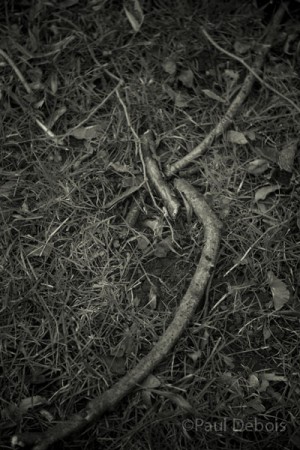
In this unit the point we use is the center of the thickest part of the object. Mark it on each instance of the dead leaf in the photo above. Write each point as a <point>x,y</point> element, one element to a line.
<point>262,193</point>
<point>182,100</point>
<point>195,355</point>
<point>279,291</point>
<point>228,360</point>
<point>31,402</point>
<point>253,381</point>
<point>257,166</point>
<point>156,225</point>
<point>134,14</point>
<point>266,332</point>
<point>187,78</point>
<point>256,404</point>
<point>169,66</point>
<point>7,189</point>
<point>163,247</point>
<point>87,133</point>
<point>53,82</point>
<point>151,382</point>
<point>241,47</point>
<point>114,364</point>
<point>152,303</point>
<point>250,135</point>
<point>271,376</point>
<point>236,137</point>
<point>120,168</point>
<point>142,242</point>
<point>213,96</point>
<point>287,156</point>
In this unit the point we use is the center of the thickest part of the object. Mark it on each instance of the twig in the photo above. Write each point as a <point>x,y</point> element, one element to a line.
<point>161,186</point>
<point>251,70</point>
<point>237,102</point>
<point>191,300</point>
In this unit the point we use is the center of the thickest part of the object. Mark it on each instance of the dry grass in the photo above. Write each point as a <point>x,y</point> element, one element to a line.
<point>75,281</point>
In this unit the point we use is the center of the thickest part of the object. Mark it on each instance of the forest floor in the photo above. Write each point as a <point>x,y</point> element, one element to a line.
<point>85,295</point>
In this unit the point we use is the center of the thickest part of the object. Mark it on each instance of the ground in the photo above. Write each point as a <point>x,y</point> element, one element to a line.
<point>85,294</point>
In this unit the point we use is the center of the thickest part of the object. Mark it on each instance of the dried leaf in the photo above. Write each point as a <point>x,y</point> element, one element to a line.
<point>253,381</point>
<point>228,360</point>
<point>287,156</point>
<point>181,402</point>
<point>187,78</point>
<point>169,66</point>
<point>241,47</point>
<point>257,166</point>
<point>256,404</point>
<point>250,135</point>
<point>134,14</point>
<point>236,137</point>
<point>53,82</point>
<point>152,303</point>
<point>262,193</point>
<point>88,133</point>
<point>142,242</point>
<point>114,364</point>
<point>182,100</point>
<point>120,168</point>
<point>266,333</point>
<point>279,291</point>
<point>31,402</point>
<point>156,225</point>
<point>213,96</point>
<point>195,355</point>
<point>271,376</point>
<point>151,382</point>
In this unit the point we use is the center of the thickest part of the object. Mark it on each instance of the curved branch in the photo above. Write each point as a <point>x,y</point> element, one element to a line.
<point>109,399</point>
<point>237,102</point>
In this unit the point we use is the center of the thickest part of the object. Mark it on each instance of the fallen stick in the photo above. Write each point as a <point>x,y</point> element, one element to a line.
<point>161,186</point>
<point>237,102</point>
<point>191,300</point>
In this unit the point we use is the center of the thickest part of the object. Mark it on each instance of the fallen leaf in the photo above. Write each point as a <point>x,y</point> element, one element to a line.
<point>114,364</point>
<point>142,242</point>
<point>120,168</point>
<point>31,402</point>
<point>279,291</point>
<point>187,78</point>
<point>271,376</point>
<point>182,100</point>
<point>256,404</point>
<point>195,355</point>
<point>134,14</point>
<point>257,166</point>
<point>88,133</point>
<point>253,381</point>
<point>262,193</point>
<point>152,303</point>
<point>287,156</point>
<point>241,47</point>
<point>236,137</point>
<point>169,66</point>
<point>151,382</point>
<point>156,225</point>
<point>213,96</point>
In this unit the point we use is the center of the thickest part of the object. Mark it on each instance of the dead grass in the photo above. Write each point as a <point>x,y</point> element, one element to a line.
<point>75,279</point>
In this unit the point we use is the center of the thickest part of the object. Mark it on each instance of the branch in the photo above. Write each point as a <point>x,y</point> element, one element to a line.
<point>191,300</point>
<point>239,99</point>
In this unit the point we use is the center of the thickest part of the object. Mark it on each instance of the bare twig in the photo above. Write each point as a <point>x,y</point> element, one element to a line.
<point>161,186</point>
<point>237,102</point>
<point>184,314</point>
